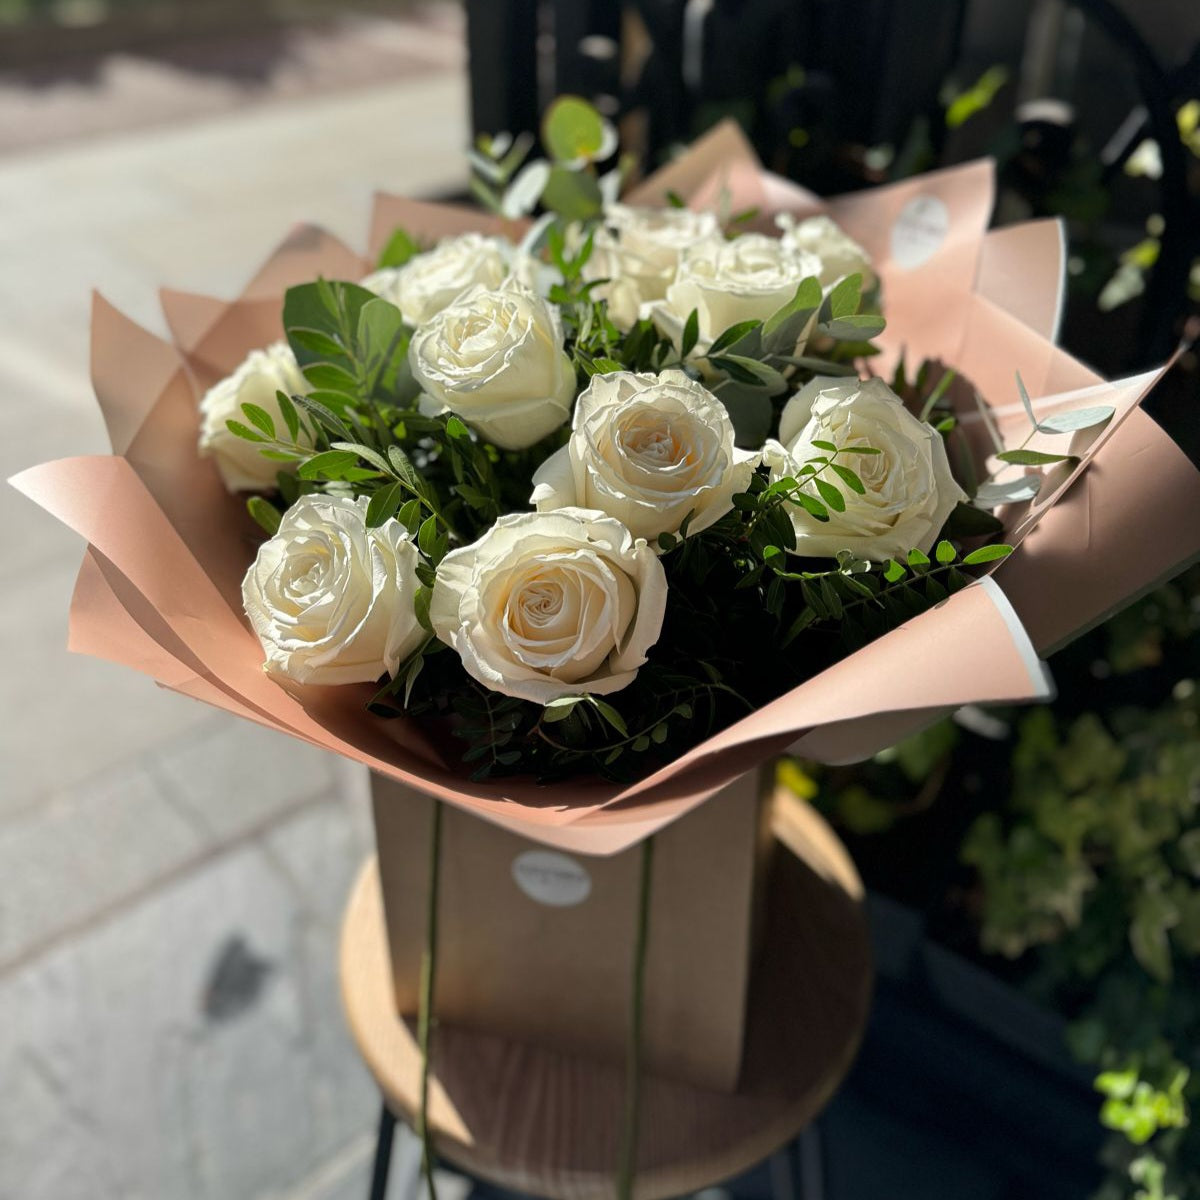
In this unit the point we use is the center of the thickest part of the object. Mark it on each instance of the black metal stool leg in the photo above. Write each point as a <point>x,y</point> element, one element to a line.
<point>383,1153</point>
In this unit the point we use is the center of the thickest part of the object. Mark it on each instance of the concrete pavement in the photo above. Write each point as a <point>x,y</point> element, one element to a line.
<point>171,879</point>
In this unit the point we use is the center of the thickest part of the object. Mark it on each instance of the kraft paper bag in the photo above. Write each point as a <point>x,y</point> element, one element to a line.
<point>536,946</point>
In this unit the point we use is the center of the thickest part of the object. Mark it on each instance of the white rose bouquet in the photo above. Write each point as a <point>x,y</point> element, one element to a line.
<point>619,490</point>
<point>585,499</point>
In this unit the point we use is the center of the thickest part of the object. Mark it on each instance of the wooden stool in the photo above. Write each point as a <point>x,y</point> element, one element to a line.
<point>548,1124</point>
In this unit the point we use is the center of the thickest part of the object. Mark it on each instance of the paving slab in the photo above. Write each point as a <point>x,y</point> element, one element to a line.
<point>172,879</point>
<point>191,1045</point>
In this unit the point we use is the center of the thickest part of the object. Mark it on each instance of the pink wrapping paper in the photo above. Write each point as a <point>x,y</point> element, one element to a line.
<point>159,589</point>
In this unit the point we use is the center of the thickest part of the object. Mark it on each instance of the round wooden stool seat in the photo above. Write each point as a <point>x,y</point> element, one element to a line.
<point>548,1124</point>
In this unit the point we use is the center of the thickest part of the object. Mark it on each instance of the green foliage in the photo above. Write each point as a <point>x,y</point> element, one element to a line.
<point>747,619</point>
<point>1095,868</point>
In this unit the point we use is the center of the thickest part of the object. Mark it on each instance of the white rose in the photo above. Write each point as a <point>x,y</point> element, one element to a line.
<point>240,464</point>
<point>637,250</point>
<point>330,599</point>
<point>495,357</point>
<point>749,278</point>
<point>430,281</point>
<point>551,604</point>
<point>839,253</point>
<point>647,449</point>
<point>910,490</point>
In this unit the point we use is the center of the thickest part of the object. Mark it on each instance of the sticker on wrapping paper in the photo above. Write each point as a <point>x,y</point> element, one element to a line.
<point>551,878</point>
<point>919,231</point>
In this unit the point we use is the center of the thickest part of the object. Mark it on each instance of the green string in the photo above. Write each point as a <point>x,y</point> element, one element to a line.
<point>425,1003</point>
<point>627,1167</point>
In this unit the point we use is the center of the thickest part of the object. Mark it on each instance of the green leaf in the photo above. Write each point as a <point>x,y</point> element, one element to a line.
<point>1081,418</point>
<point>798,626</point>
<point>310,343</point>
<point>427,536</point>
<point>321,317</point>
<point>324,416</point>
<point>573,195</point>
<point>609,713</point>
<point>457,430</point>
<point>832,497</point>
<point>1025,401</point>
<point>987,554</point>
<point>749,370</point>
<point>401,246</point>
<point>574,132</point>
<point>244,431</point>
<point>331,377</point>
<point>1009,491</point>
<point>381,345</point>
<point>1032,458</point>
<point>895,571</point>
<point>331,464</point>
<point>265,513</point>
<point>843,299</point>
<point>560,709</point>
<point>782,329</point>
<point>409,515</point>
<point>852,329</point>
<point>691,334</point>
<point>291,418</point>
<point>733,335</point>
<point>383,504</point>
<point>832,601</point>
<point>813,506</point>
<point>849,478</point>
<point>917,558</point>
<point>259,418</point>
<point>945,552</point>
<point>410,676</point>
<point>366,454</point>
<point>421,598</point>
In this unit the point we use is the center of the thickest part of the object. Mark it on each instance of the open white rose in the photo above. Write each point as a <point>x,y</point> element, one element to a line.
<point>747,279</point>
<point>555,604</point>
<point>637,250</point>
<point>839,253</point>
<point>647,449</point>
<point>239,462</point>
<point>330,599</point>
<point>495,357</point>
<point>910,490</point>
<point>430,281</point>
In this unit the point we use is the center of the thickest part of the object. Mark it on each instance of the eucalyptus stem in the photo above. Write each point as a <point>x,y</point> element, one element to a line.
<point>425,1002</point>
<point>627,1166</point>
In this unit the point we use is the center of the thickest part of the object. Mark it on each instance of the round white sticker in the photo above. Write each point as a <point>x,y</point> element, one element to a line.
<point>919,231</point>
<point>551,878</point>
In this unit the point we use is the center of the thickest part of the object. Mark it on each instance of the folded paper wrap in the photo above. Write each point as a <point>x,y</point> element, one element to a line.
<point>160,585</point>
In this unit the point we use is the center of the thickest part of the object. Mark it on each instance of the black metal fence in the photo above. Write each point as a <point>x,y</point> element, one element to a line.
<point>842,93</point>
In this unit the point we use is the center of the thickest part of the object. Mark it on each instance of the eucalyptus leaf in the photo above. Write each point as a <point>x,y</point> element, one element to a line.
<point>573,132</point>
<point>574,195</point>
<point>1031,458</point>
<point>1011,491</point>
<point>1080,418</point>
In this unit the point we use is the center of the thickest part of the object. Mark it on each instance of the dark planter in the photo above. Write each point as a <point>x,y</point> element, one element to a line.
<point>963,1087</point>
